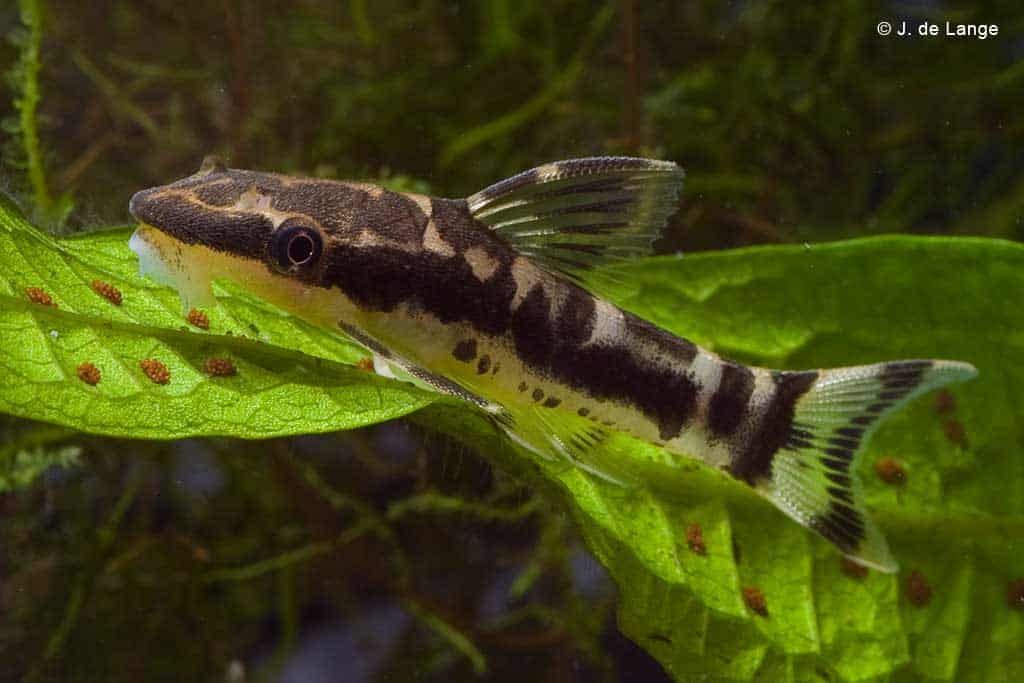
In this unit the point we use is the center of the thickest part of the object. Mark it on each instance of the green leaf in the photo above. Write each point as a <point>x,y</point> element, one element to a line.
<point>958,521</point>
<point>290,377</point>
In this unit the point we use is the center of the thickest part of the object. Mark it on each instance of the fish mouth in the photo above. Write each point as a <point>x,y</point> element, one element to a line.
<point>167,261</point>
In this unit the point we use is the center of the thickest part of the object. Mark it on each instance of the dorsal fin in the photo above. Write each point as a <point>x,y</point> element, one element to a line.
<point>571,216</point>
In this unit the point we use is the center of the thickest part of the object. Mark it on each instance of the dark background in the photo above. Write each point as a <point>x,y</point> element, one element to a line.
<point>795,122</point>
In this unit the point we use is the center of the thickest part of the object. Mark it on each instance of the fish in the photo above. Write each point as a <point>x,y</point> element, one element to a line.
<point>497,299</point>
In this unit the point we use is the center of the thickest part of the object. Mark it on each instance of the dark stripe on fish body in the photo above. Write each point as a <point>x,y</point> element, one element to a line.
<point>396,217</point>
<point>623,370</point>
<point>613,371</point>
<point>531,328</point>
<point>729,403</point>
<point>578,317</point>
<point>465,350</point>
<point>754,462</point>
<point>241,233</point>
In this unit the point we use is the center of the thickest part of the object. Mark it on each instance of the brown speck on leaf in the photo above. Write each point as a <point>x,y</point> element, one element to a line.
<point>155,370</point>
<point>754,598</point>
<point>1015,594</point>
<point>39,296</point>
<point>891,471</point>
<point>365,364</point>
<point>955,432</point>
<point>919,591</point>
<point>695,539</point>
<point>107,291</point>
<point>88,373</point>
<point>198,319</point>
<point>219,367</point>
<point>852,569</point>
<point>944,402</point>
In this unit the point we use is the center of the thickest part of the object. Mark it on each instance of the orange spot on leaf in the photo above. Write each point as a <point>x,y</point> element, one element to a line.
<point>107,291</point>
<point>919,591</point>
<point>944,402</point>
<point>955,432</point>
<point>891,471</point>
<point>88,373</point>
<point>155,370</point>
<point>219,367</point>
<point>197,318</point>
<point>754,598</point>
<point>695,539</point>
<point>39,296</point>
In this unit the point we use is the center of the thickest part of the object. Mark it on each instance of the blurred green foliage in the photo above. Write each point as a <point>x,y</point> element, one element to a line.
<point>794,122</point>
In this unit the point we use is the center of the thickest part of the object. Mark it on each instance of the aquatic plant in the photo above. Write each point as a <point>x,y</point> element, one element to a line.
<point>132,557</point>
<point>754,595</point>
<point>24,128</point>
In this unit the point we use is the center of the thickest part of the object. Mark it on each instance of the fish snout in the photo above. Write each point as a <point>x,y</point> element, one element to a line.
<point>138,203</point>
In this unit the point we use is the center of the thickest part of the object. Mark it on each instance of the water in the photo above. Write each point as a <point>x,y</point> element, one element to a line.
<point>796,125</point>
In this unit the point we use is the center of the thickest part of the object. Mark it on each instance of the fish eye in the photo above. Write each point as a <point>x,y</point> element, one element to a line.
<point>295,246</point>
<point>300,248</point>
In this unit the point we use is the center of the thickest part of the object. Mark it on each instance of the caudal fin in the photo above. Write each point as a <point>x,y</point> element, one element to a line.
<point>813,473</point>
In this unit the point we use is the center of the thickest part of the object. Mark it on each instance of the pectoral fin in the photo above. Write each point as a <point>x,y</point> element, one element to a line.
<point>388,364</point>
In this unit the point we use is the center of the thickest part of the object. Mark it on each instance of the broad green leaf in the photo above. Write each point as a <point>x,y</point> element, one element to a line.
<point>958,520</point>
<point>290,377</point>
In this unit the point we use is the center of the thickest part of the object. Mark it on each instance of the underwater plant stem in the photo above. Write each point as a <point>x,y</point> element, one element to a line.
<point>85,579</point>
<point>120,103</point>
<point>287,559</point>
<point>28,104</point>
<point>441,504</point>
<point>456,638</point>
<point>536,105</point>
<point>361,22</point>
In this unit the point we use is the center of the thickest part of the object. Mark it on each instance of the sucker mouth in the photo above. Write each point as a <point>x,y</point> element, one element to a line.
<point>162,259</point>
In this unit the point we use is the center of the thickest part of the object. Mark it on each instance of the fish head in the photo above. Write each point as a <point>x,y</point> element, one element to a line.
<point>269,233</point>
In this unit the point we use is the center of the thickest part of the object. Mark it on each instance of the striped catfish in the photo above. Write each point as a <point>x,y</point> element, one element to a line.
<point>486,298</point>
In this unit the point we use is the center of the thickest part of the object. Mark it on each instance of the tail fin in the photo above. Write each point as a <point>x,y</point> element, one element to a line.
<point>813,474</point>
